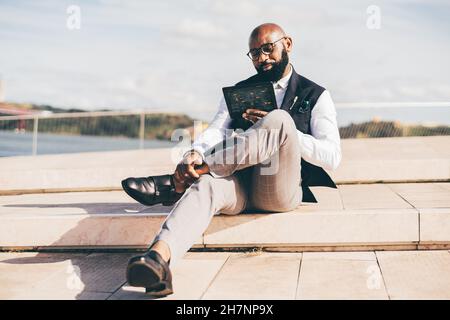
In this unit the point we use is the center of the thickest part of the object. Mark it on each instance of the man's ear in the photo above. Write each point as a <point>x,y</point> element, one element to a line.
<point>288,43</point>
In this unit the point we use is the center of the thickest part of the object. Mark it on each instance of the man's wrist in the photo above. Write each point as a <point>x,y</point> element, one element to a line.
<point>191,151</point>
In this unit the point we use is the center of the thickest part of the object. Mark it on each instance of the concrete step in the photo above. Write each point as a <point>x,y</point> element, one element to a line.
<point>364,160</point>
<point>352,217</point>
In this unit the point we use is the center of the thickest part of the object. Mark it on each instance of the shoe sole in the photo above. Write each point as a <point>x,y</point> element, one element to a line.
<point>141,274</point>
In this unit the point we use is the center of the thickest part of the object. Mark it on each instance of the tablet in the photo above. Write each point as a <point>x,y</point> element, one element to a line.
<point>257,96</point>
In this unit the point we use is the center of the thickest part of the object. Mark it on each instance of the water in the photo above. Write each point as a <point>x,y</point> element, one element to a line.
<point>20,144</point>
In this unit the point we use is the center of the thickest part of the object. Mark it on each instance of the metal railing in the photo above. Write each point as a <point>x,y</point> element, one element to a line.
<point>376,120</point>
<point>109,123</point>
<point>40,117</point>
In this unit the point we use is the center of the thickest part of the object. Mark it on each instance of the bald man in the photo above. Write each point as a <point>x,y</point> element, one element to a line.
<point>266,163</point>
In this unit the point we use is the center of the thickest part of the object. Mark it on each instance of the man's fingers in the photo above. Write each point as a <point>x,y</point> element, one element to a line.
<point>191,171</point>
<point>181,169</point>
<point>178,177</point>
<point>247,116</point>
<point>251,118</point>
<point>252,111</point>
<point>256,112</point>
<point>254,115</point>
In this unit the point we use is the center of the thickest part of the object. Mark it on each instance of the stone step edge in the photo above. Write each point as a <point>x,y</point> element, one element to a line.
<point>238,248</point>
<point>15,192</point>
<point>7,192</point>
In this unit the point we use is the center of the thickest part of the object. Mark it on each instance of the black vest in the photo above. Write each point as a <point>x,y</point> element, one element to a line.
<point>307,93</point>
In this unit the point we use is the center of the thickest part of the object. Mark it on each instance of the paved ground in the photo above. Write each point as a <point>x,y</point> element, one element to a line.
<point>221,275</point>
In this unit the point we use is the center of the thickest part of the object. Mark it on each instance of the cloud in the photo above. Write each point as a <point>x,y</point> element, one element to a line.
<point>204,29</point>
<point>198,33</point>
<point>240,8</point>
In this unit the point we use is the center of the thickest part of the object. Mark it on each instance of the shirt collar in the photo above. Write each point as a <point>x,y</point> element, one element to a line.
<point>283,82</point>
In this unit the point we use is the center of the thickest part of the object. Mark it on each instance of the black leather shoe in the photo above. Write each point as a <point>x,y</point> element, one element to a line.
<point>152,190</point>
<point>151,272</point>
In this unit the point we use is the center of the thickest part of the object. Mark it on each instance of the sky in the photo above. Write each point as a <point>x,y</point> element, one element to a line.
<point>177,55</point>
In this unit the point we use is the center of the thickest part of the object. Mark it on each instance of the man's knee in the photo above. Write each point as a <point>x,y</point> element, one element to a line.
<point>279,118</point>
<point>280,125</point>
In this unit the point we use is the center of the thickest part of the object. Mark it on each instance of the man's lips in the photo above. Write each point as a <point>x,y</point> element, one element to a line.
<point>266,67</point>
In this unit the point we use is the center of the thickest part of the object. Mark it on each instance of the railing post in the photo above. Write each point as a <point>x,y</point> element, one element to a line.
<point>142,131</point>
<point>35,133</point>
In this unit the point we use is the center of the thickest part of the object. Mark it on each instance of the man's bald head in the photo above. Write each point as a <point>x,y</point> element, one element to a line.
<point>266,30</point>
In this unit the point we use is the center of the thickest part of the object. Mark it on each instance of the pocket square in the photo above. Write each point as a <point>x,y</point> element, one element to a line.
<point>304,106</point>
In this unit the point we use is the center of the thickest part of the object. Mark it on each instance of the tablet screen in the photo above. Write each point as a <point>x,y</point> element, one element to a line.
<point>257,96</point>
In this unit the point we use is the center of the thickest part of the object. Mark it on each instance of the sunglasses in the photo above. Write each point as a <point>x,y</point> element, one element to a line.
<point>266,48</point>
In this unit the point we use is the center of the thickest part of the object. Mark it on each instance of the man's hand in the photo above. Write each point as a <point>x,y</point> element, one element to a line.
<point>185,173</point>
<point>253,115</point>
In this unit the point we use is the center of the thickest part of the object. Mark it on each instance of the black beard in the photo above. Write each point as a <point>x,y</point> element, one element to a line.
<point>276,72</point>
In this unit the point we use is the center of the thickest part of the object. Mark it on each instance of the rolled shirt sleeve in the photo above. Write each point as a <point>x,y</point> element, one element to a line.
<point>216,131</point>
<point>323,146</point>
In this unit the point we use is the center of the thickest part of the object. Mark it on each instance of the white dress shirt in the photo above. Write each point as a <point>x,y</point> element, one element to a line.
<point>322,148</point>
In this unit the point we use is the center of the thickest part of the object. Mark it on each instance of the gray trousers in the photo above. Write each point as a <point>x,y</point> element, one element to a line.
<point>257,169</point>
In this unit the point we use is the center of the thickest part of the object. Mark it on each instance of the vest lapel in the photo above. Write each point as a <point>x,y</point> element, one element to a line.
<point>291,90</point>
